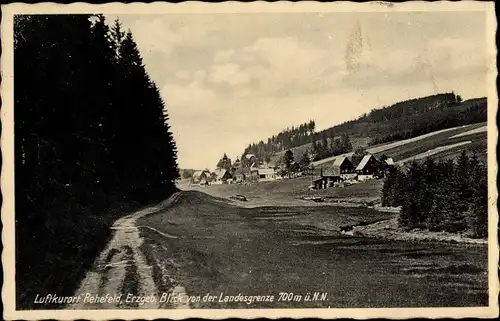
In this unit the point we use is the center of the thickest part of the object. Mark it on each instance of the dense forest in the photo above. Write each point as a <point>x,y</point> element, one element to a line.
<point>286,139</point>
<point>92,141</point>
<point>402,120</point>
<point>324,143</point>
<point>442,117</point>
<point>443,195</point>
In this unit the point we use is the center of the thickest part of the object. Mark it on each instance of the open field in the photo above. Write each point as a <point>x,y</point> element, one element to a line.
<point>289,192</point>
<point>433,151</point>
<point>482,129</point>
<point>215,247</point>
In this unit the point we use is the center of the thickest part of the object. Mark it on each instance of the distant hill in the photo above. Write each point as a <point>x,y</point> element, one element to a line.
<point>399,121</point>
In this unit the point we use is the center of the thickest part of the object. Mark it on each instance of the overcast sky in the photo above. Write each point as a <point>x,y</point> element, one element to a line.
<point>232,79</point>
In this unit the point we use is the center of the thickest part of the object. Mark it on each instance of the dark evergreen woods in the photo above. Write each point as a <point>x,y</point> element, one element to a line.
<point>286,139</point>
<point>91,136</point>
<point>323,144</point>
<point>442,195</point>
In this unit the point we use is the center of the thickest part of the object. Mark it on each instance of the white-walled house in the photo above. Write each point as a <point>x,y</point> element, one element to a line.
<point>266,174</point>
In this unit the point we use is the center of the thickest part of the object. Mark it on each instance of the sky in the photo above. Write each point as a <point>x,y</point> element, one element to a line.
<point>230,79</point>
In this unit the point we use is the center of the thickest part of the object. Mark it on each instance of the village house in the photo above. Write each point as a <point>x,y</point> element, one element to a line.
<point>201,177</point>
<point>345,168</point>
<point>342,169</point>
<point>367,167</point>
<point>330,175</point>
<point>222,176</point>
<point>266,174</point>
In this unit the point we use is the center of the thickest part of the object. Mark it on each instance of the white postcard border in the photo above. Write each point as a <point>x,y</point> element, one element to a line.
<point>7,145</point>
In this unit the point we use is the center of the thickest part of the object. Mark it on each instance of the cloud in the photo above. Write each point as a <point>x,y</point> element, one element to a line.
<point>439,59</point>
<point>190,97</point>
<point>155,35</point>
<point>270,65</point>
<point>223,56</point>
<point>182,74</point>
<point>229,73</point>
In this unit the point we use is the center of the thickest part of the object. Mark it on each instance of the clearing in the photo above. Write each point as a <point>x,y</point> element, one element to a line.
<point>290,192</point>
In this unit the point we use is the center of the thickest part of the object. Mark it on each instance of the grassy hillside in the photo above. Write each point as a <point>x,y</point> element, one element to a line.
<point>412,147</point>
<point>397,122</point>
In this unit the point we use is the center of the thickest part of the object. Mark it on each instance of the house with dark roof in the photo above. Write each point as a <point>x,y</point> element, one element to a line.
<point>344,167</point>
<point>367,167</point>
<point>330,175</point>
<point>341,169</point>
<point>222,176</point>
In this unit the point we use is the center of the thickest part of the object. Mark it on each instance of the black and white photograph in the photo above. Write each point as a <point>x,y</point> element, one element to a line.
<point>249,159</point>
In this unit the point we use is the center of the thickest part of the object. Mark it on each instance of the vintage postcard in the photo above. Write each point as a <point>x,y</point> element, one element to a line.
<point>249,160</point>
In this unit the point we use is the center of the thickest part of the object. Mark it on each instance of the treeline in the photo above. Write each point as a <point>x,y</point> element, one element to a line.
<point>468,112</point>
<point>442,195</point>
<point>323,144</point>
<point>286,139</point>
<point>388,119</point>
<point>91,135</point>
<point>412,107</point>
<point>326,145</point>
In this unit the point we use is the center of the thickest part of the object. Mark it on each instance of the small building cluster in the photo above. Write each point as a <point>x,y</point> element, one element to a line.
<point>239,173</point>
<point>343,170</point>
<point>255,173</point>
